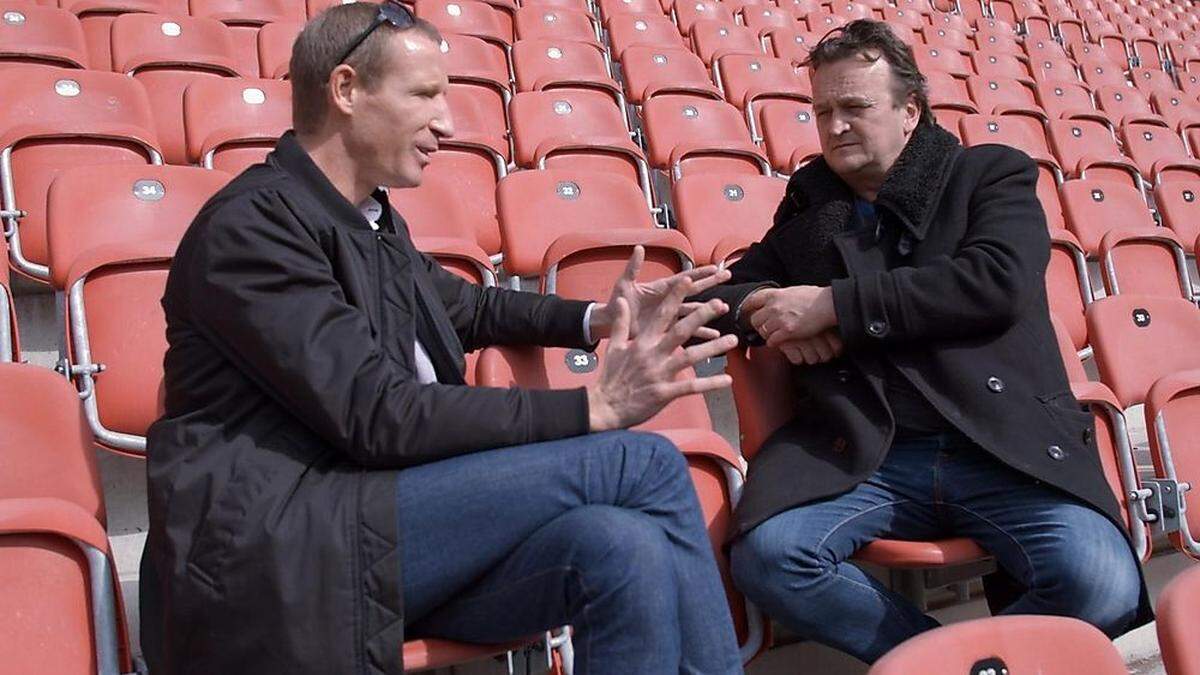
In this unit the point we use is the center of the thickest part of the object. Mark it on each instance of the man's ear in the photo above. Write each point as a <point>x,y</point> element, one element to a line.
<point>341,84</point>
<point>912,114</point>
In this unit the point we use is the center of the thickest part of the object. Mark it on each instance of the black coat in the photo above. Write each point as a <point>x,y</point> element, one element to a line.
<point>964,318</point>
<point>291,401</point>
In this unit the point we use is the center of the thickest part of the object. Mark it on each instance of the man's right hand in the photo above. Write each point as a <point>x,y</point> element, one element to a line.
<point>820,348</point>
<point>638,377</point>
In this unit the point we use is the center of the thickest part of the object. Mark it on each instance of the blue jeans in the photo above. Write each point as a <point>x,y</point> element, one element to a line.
<point>602,532</point>
<point>1071,559</point>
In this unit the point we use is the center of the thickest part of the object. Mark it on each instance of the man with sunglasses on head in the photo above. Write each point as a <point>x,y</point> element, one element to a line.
<point>323,483</point>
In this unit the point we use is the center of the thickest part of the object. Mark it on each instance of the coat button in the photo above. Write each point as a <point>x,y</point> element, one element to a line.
<point>843,375</point>
<point>1056,453</point>
<point>877,328</point>
<point>995,384</point>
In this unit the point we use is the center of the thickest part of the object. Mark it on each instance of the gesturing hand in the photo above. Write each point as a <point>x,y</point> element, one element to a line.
<point>645,297</point>
<point>782,315</point>
<point>638,375</point>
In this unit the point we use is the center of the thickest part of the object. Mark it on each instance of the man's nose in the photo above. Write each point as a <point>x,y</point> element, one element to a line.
<point>443,122</point>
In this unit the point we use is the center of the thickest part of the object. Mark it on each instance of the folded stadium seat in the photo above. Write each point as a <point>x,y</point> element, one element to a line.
<point>1178,109</point>
<point>900,16</point>
<point>1067,287</point>
<point>467,17</point>
<point>556,23</point>
<point>166,54</point>
<point>1099,71</point>
<point>1006,644</point>
<point>714,466</point>
<point>1007,66</point>
<point>931,59</point>
<point>10,342</point>
<point>1149,53</point>
<point>541,64</point>
<point>580,129</point>
<point>456,198</point>
<point>1038,27</point>
<point>751,80</point>
<point>1144,262</point>
<point>1054,70</point>
<point>1006,11</point>
<point>1093,207</point>
<point>244,19</point>
<point>792,44</point>
<point>1189,82</point>
<point>944,37</point>
<point>1178,610</point>
<point>232,124</point>
<point>687,13</point>
<point>789,132</point>
<point>1124,104</point>
<point>822,22</point>
<point>53,119</point>
<point>275,42</point>
<point>40,35</point>
<point>698,135</point>
<point>1178,204</point>
<point>997,38</point>
<point>651,30</point>
<point>1115,46</point>
<point>1066,349</point>
<point>800,8</point>
<point>850,10</point>
<point>1067,99</point>
<point>723,215</point>
<point>765,400</point>
<point>945,89</point>
<point>710,40</point>
<point>970,10</point>
<point>1039,47</point>
<point>1181,51</point>
<point>1087,147</point>
<point>1158,152</point>
<point>1151,80</point>
<point>649,71</point>
<point>538,207</point>
<point>480,112</point>
<point>314,7</point>
<point>612,8</point>
<point>96,17</point>
<point>114,278</point>
<point>49,461</point>
<point>765,18</point>
<point>1071,31</point>
<point>943,19</point>
<point>999,95</point>
<point>1141,348</point>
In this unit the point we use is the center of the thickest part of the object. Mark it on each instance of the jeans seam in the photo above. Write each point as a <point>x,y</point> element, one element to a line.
<point>1024,554</point>
<point>857,514</point>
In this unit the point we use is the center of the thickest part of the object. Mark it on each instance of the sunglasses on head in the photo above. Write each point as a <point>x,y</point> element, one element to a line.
<point>389,12</point>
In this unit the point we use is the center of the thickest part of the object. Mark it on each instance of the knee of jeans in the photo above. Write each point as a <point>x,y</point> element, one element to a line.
<point>1104,588</point>
<point>614,545</point>
<point>766,562</point>
<point>654,450</point>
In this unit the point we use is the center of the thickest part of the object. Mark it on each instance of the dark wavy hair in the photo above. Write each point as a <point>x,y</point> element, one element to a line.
<point>872,40</point>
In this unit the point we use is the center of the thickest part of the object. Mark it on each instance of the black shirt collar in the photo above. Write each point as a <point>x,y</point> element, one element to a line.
<point>292,158</point>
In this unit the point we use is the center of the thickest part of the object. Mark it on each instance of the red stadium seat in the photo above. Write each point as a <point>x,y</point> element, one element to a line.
<point>942,59</point>
<point>1007,130</point>
<point>1178,204</point>
<point>456,198</point>
<point>792,44</point>
<point>711,40</point>
<point>1176,108</point>
<point>1054,70</point>
<point>480,112</point>
<point>541,64</point>
<point>1177,610</point>
<point>1123,104</point>
<point>611,8</point>
<point>275,42</point>
<point>581,129</point>
<point>995,95</point>
<point>789,132</point>
<point>1085,145</point>
<point>653,30</point>
<point>749,81</point>
<point>555,23</point>
<point>686,14</point>
<point>722,215</point>
<point>1066,348</point>
<point>475,62</point>
<point>1098,71</point>
<point>40,35</point>
<point>466,17</point>
<point>944,37</point>
<point>1145,262</point>
<point>1065,99</point>
<point>1015,644</point>
<point>536,208</point>
<point>1150,80</point>
<point>687,133</point>
<point>97,17</point>
<point>231,124</point>
<point>653,70</point>
<point>54,119</point>
<point>822,22</point>
<point>1067,287</point>
<point>1009,66</point>
<point>1171,407</point>
<point>1093,207</point>
<point>10,341</point>
<point>1158,152</point>
<point>244,19</point>
<point>1139,339</point>
<point>166,54</point>
<point>762,19</point>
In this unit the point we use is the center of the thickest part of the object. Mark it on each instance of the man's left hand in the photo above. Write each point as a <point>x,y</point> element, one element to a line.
<point>782,315</point>
<point>644,298</point>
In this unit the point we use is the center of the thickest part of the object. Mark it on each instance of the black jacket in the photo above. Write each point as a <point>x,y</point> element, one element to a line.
<point>290,402</point>
<point>965,319</point>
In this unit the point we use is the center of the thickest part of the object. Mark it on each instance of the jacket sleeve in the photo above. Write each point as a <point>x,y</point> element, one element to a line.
<point>261,290</point>
<point>760,267</point>
<point>498,316</point>
<point>982,288</point>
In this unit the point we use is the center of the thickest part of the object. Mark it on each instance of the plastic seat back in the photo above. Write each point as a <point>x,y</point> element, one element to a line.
<point>650,71</point>
<point>699,136</point>
<point>465,17</point>
<point>1093,207</point>
<point>275,42</point>
<point>554,23</point>
<point>55,119</point>
<point>40,35</point>
<point>245,18</point>
<point>1015,644</point>
<point>789,131</point>
<point>722,215</point>
<point>1178,203</point>
<point>166,54</point>
<point>96,17</point>
<point>1153,148</point>
<point>1067,287</point>
<point>1138,339</point>
<point>711,39</point>
<point>561,63</point>
<point>1074,141</point>
<point>231,124</point>
<point>655,30</point>
<point>992,94</point>
<point>1145,262</point>
<point>1177,610</point>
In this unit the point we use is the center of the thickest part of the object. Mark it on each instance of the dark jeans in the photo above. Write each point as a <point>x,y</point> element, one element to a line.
<point>1071,559</point>
<point>602,532</point>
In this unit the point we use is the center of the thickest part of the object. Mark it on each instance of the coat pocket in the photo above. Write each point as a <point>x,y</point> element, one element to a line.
<point>215,542</point>
<point>1069,416</point>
